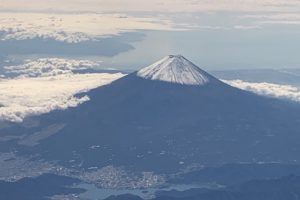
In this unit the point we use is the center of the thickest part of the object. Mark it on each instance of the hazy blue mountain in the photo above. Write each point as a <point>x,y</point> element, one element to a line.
<point>166,117</point>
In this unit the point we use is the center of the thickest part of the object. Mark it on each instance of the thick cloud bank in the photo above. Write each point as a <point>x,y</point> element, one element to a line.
<point>268,89</point>
<point>154,5</point>
<point>44,85</point>
<point>23,97</point>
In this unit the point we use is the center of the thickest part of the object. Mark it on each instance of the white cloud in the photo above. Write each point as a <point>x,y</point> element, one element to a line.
<point>22,97</point>
<point>268,89</point>
<point>150,6</point>
<point>44,67</point>
<point>55,89</point>
<point>275,18</point>
<point>75,27</point>
<point>247,27</point>
<point>79,20</point>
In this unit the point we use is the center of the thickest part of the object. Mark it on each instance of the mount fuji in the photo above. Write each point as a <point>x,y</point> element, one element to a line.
<point>166,117</point>
<point>175,69</point>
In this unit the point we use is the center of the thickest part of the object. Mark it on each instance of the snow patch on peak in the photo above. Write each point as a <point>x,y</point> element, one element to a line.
<point>175,69</point>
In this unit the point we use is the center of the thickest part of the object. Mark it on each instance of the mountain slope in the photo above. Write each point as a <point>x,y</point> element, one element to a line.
<point>164,125</point>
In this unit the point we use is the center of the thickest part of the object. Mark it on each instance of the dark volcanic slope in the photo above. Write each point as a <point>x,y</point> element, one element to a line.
<point>38,188</point>
<point>155,125</point>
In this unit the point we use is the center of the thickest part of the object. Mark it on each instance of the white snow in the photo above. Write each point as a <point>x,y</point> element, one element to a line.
<point>175,69</point>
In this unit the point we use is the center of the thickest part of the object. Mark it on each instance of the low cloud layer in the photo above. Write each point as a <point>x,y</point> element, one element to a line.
<point>154,5</point>
<point>268,89</point>
<point>22,97</point>
<point>45,67</point>
<point>73,28</point>
<point>45,85</point>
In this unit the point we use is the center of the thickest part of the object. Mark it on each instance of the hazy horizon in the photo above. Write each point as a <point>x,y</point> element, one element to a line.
<point>217,35</point>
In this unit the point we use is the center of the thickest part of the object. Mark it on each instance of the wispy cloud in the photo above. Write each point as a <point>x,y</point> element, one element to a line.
<point>80,20</point>
<point>154,5</point>
<point>45,67</point>
<point>268,89</point>
<point>77,21</point>
<point>74,27</point>
<point>275,18</point>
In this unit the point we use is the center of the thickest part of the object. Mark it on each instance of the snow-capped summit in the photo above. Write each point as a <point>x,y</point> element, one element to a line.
<point>175,69</point>
<point>209,124</point>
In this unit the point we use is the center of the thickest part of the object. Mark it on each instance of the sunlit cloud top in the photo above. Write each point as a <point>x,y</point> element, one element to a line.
<point>47,84</point>
<point>154,5</point>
